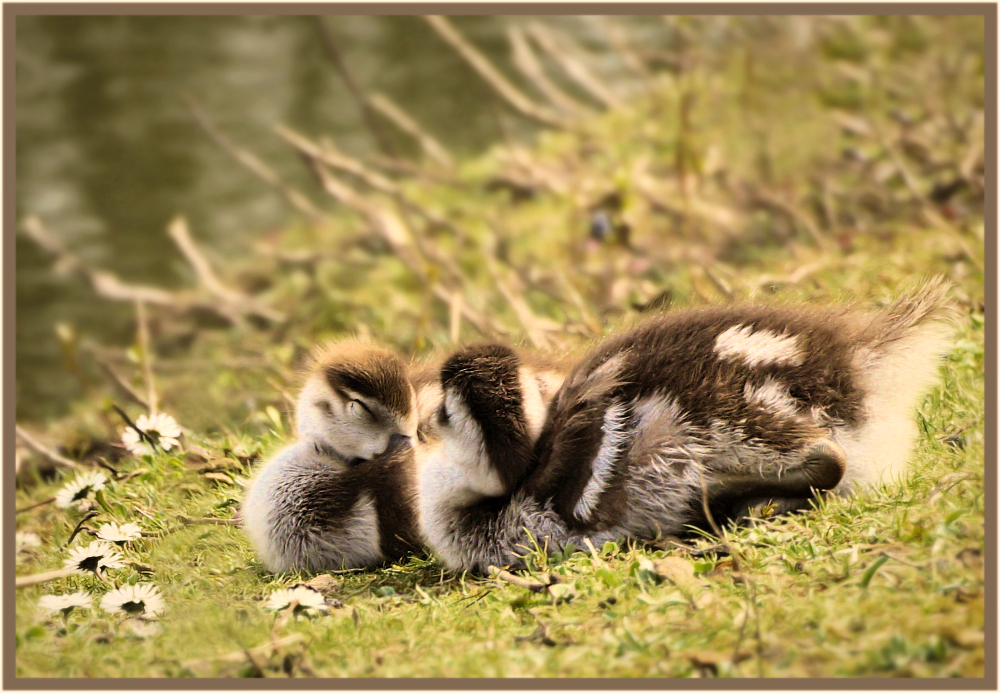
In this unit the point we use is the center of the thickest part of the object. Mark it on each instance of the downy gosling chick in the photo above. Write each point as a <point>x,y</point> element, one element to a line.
<point>307,511</point>
<point>474,511</point>
<point>720,407</point>
<point>342,496</point>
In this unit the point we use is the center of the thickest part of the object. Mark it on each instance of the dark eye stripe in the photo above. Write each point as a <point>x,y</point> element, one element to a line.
<point>364,406</point>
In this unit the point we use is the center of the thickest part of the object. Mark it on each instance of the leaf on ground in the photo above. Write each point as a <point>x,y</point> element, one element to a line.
<point>677,571</point>
<point>324,584</point>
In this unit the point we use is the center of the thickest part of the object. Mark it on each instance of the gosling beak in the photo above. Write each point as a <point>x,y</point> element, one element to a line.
<point>396,442</point>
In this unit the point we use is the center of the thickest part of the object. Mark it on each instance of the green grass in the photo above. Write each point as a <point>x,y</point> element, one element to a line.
<point>887,583</point>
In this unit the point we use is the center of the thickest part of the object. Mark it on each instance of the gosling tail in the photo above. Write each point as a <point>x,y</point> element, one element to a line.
<point>899,351</point>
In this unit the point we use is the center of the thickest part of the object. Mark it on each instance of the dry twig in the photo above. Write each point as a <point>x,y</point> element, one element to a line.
<point>555,47</point>
<point>431,146</point>
<point>50,455</point>
<point>367,112</point>
<point>295,198</point>
<point>511,94</point>
<point>39,578</point>
<point>527,62</point>
<point>242,653</point>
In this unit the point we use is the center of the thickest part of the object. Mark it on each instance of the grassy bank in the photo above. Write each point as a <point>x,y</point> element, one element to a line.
<point>834,164</point>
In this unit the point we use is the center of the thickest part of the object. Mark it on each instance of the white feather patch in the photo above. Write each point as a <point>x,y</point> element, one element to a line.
<point>531,402</point>
<point>758,348</point>
<point>603,465</point>
<point>772,396</point>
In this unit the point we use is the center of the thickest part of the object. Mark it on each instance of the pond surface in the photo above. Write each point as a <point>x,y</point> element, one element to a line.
<point>107,153</point>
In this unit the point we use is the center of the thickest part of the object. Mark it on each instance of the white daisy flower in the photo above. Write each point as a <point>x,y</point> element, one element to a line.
<point>119,534</point>
<point>26,540</point>
<point>162,428</point>
<point>134,600</point>
<point>95,557</point>
<point>65,602</point>
<point>306,600</point>
<point>80,488</point>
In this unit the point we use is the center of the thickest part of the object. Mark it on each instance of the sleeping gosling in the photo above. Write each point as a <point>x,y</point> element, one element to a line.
<point>692,415</point>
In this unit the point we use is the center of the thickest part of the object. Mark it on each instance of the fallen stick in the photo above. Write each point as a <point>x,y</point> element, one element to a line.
<point>573,67</point>
<point>52,456</point>
<point>235,302</point>
<point>511,94</point>
<point>367,112</point>
<point>295,198</point>
<point>431,146</point>
<point>39,578</point>
<point>527,62</point>
<point>240,655</point>
<point>107,285</point>
<point>530,585</point>
<point>104,283</point>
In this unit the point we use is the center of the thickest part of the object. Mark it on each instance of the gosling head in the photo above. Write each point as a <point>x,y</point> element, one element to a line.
<point>356,402</point>
<point>491,413</point>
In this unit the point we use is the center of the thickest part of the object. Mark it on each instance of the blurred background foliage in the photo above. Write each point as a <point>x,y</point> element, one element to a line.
<point>618,165</point>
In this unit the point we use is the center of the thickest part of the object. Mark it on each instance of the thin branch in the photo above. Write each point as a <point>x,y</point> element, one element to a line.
<point>50,455</point>
<point>367,112</point>
<point>295,198</point>
<point>336,159</point>
<point>527,62</point>
<point>79,526</point>
<point>113,375</point>
<point>232,302</point>
<point>143,436</point>
<point>242,653</point>
<point>792,212</point>
<point>529,321</point>
<point>455,316</point>
<point>35,505</point>
<point>530,585</point>
<point>579,72</point>
<point>619,41</point>
<point>431,146</point>
<point>38,578</point>
<point>511,94</point>
<point>104,283</point>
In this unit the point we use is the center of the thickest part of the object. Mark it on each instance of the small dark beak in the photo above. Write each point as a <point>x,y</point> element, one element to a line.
<point>397,441</point>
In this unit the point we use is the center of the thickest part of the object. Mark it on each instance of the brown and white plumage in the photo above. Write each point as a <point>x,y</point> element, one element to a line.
<point>356,397</point>
<point>305,512</point>
<point>730,406</point>
<point>343,494</point>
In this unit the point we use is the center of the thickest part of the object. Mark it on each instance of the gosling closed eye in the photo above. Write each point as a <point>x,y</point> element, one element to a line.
<point>360,410</point>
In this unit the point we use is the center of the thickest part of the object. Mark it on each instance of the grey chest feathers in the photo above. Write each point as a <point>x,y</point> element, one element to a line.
<point>304,511</point>
<point>342,496</point>
<point>693,415</point>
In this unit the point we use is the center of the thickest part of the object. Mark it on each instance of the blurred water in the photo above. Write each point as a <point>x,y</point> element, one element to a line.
<point>107,153</point>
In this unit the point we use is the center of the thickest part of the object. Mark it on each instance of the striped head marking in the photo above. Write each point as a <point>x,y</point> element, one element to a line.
<point>482,418</point>
<point>355,399</point>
